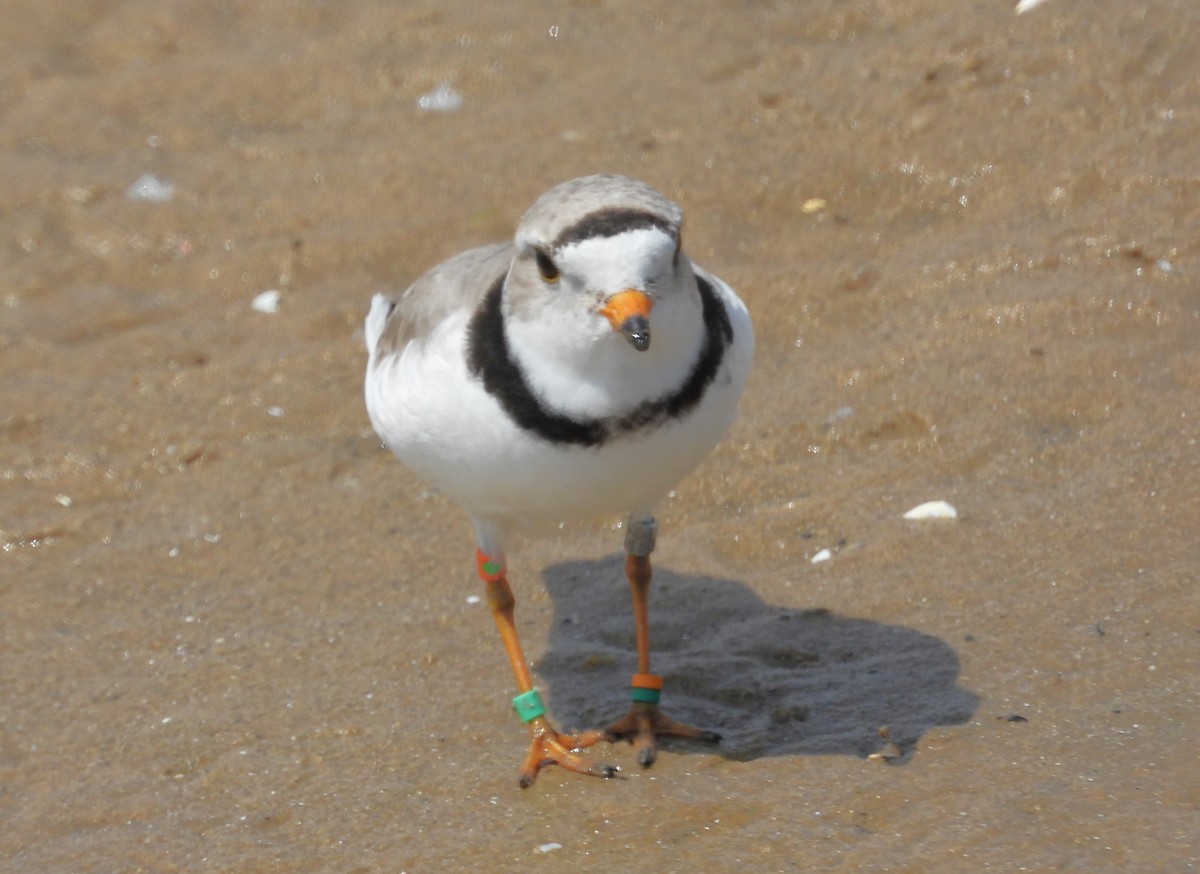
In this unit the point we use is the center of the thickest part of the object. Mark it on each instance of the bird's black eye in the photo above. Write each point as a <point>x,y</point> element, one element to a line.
<point>546,266</point>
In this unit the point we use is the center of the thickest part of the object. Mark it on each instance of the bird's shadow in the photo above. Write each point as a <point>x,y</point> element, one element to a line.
<point>773,681</point>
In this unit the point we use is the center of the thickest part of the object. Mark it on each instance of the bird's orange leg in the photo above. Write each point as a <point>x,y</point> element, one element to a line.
<point>547,746</point>
<point>645,722</point>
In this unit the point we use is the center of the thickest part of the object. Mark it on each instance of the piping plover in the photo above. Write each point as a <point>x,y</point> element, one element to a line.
<point>581,370</point>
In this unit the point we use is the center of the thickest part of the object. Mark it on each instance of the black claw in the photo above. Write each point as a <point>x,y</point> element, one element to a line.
<point>647,757</point>
<point>525,782</point>
<point>610,771</point>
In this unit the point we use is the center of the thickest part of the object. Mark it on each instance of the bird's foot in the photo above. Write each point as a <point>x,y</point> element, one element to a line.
<point>548,747</point>
<point>645,723</point>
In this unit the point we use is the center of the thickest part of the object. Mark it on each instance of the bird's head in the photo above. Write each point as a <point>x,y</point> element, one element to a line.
<point>599,253</point>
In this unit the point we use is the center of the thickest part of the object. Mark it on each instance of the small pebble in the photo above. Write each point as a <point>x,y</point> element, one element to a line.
<point>549,848</point>
<point>932,510</point>
<point>823,555</point>
<point>151,189</point>
<point>441,99</point>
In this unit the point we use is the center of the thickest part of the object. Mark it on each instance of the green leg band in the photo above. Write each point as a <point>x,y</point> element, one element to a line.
<point>529,705</point>
<point>646,696</point>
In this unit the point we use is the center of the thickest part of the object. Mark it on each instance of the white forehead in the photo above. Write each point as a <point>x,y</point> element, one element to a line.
<point>624,260</point>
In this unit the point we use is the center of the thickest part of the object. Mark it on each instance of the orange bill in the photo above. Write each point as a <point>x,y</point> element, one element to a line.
<point>624,305</point>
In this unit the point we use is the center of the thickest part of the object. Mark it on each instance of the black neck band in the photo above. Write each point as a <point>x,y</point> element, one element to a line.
<point>490,359</point>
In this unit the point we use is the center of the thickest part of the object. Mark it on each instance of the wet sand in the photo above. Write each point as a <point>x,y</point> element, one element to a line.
<point>236,633</point>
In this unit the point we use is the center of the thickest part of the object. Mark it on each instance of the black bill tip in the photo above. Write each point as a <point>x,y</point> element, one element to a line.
<point>637,331</point>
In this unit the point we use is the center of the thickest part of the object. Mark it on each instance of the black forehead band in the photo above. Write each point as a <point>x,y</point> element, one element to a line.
<point>610,223</point>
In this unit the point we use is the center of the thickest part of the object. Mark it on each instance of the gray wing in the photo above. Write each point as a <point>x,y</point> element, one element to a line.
<point>457,284</point>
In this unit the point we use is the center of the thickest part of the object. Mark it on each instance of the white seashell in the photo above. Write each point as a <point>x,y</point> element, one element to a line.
<point>267,302</point>
<point>932,510</point>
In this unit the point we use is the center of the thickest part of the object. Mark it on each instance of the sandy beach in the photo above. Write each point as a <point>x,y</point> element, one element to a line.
<point>237,635</point>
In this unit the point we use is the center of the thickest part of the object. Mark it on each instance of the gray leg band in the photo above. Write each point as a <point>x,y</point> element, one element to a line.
<point>640,535</point>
